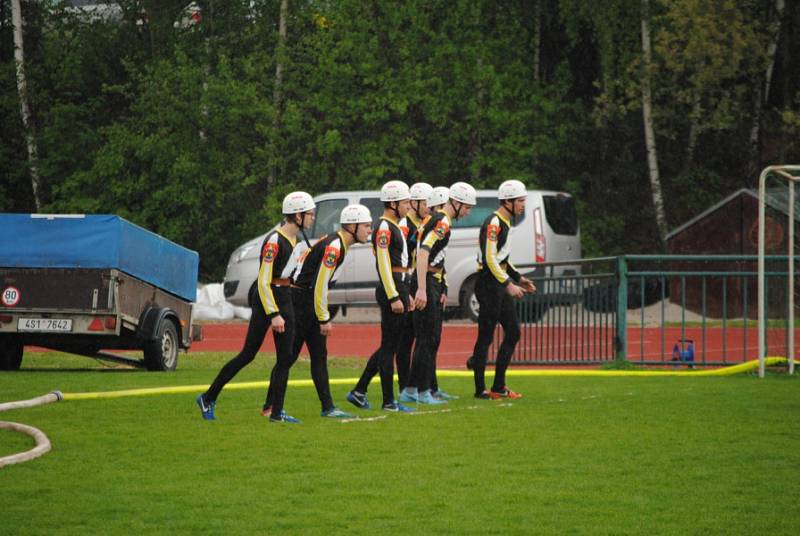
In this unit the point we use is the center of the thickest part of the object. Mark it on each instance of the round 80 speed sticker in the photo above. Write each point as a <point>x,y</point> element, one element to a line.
<point>10,296</point>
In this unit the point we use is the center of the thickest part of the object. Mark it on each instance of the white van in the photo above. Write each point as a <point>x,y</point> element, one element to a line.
<point>548,231</point>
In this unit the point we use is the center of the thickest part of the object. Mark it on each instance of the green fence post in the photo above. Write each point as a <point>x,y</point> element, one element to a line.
<point>622,310</point>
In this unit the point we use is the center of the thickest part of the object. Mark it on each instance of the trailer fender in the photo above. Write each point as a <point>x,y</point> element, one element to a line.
<point>150,320</point>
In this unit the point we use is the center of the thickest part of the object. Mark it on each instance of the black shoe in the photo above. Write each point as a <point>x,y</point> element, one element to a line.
<point>484,395</point>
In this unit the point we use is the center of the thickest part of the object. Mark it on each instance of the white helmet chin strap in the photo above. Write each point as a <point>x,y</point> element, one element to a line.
<point>456,210</point>
<point>301,226</point>
<point>511,210</point>
<point>353,234</point>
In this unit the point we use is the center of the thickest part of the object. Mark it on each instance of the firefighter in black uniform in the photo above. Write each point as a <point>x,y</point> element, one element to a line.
<point>430,287</point>
<point>391,293</point>
<point>312,277</point>
<point>270,299</point>
<point>498,282</point>
<point>411,226</point>
<point>438,197</point>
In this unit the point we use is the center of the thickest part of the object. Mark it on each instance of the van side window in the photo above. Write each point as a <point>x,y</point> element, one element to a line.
<point>327,220</point>
<point>375,206</point>
<point>485,206</point>
<point>560,213</point>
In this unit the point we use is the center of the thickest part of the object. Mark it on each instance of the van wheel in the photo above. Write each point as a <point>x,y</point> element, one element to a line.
<point>469,302</point>
<point>10,352</point>
<point>162,352</point>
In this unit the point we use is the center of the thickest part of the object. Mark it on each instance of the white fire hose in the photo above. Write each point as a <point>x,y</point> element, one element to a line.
<point>42,443</point>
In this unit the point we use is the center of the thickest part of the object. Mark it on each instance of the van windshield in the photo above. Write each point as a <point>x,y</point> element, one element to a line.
<point>485,206</point>
<point>327,217</point>
<point>560,213</point>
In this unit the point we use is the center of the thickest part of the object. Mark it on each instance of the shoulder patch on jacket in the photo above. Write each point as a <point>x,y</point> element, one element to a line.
<point>330,256</point>
<point>441,228</point>
<point>270,251</point>
<point>383,237</point>
<point>492,231</point>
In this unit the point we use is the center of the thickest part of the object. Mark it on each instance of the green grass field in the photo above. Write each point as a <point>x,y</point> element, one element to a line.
<point>615,455</point>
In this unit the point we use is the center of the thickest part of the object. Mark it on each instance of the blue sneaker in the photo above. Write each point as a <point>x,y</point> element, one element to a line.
<point>441,395</point>
<point>336,413</point>
<point>396,407</point>
<point>409,397</point>
<point>206,409</point>
<point>283,417</point>
<point>359,400</point>
<point>425,397</point>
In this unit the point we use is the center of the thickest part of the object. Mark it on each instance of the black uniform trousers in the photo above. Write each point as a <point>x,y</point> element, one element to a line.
<point>382,361</point>
<point>495,306</point>
<point>307,332</point>
<point>256,331</point>
<point>428,330</point>
<point>404,348</point>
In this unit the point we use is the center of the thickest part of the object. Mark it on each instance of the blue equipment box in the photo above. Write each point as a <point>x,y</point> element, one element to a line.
<point>97,241</point>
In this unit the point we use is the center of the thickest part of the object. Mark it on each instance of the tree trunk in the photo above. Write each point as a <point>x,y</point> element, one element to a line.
<point>649,135</point>
<point>277,91</point>
<point>537,41</point>
<point>203,132</point>
<point>22,90</point>
<point>475,135</point>
<point>691,143</point>
<point>762,91</point>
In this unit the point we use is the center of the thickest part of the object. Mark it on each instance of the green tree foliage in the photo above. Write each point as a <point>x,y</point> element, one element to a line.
<point>163,112</point>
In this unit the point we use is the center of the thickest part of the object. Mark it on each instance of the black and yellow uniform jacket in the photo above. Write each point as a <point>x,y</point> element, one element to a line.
<point>316,268</point>
<point>411,227</point>
<point>391,256</point>
<point>434,237</point>
<point>494,251</point>
<point>276,250</point>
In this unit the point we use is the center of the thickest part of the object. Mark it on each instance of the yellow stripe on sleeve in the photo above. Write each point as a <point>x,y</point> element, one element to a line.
<point>491,251</point>
<point>324,275</point>
<point>265,275</point>
<point>385,263</point>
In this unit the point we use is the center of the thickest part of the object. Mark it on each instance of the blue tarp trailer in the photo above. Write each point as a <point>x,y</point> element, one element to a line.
<point>97,241</point>
<point>88,283</point>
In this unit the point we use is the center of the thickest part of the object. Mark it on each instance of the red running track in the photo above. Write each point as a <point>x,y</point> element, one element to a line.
<point>360,340</point>
<point>347,340</point>
<point>544,343</point>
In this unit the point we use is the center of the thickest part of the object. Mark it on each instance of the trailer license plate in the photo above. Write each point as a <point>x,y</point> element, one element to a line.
<point>45,325</point>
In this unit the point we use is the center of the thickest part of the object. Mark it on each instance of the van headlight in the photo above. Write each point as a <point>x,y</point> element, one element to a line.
<point>240,253</point>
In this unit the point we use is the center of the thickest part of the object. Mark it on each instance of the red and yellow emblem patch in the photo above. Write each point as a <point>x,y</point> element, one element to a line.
<point>441,229</point>
<point>330,256</point>
<point>270,251</point>
<point>492,231</point>
<point>383,237</point>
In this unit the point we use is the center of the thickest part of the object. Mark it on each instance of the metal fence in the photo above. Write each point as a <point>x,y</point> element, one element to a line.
<point>676,310</point>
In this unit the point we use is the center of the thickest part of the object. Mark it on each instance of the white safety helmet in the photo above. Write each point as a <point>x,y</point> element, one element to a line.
<point>395,191</point>
<point>420,191</point>
<point>464,193</point>
<point>438,196</point>
<point>355,214</point>
<point>511,189</point>
<point>297,202</point>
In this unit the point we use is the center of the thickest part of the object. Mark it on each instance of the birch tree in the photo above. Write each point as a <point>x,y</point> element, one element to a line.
<point>25,111</point>
<point>277,90</point>
<point>649,133</point>
<point>762,89</point>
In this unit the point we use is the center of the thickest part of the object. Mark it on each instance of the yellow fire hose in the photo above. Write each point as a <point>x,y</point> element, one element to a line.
<point>43,444</point>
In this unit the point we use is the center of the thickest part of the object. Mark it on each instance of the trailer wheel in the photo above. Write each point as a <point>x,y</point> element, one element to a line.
<point>162,352</point>
<point>10,352</point>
